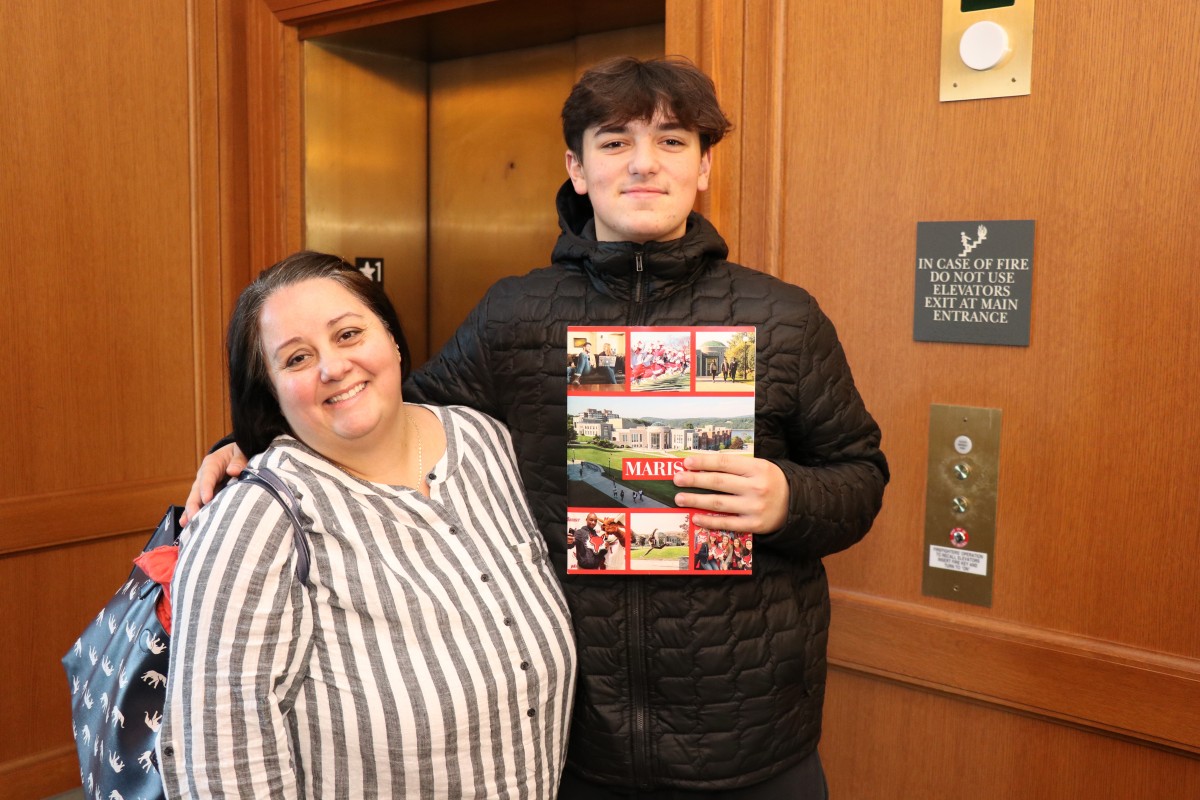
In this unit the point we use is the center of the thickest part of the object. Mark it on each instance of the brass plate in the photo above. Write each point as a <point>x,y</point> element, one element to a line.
<point>960,503</point>
<point>1010,78</point>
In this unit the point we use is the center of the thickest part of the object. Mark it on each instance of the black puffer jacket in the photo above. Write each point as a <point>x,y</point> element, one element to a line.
<point>691,682</point>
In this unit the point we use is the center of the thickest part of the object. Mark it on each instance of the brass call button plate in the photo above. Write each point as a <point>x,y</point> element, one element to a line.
<point>960,503</point>
<point>987,49</point>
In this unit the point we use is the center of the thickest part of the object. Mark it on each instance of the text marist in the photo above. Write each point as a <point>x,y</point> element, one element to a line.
<point>662,469</point>
<point>972,290</point>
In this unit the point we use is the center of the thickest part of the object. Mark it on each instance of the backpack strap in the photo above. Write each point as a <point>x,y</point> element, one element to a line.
<point>283,493</point>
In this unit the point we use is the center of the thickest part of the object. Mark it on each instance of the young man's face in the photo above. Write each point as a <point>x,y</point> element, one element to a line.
<point>641,177</point>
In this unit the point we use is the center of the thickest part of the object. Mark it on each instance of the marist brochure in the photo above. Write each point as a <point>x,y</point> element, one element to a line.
<point>640,400</point>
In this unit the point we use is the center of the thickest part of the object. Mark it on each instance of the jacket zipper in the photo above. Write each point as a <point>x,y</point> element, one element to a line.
<point>639,287</point>
<point>637,656</point>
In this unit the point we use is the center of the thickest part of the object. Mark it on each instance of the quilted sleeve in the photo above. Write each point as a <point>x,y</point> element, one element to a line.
<point>835,470</point>
<point>462,372</point>
<point>242,632</point>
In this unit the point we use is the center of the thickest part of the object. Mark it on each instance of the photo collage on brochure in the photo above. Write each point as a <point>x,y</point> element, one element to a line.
<point>639,401</point>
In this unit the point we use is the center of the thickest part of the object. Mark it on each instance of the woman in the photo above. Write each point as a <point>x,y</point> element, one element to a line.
<point>736,553</point>
<point>429,653</point>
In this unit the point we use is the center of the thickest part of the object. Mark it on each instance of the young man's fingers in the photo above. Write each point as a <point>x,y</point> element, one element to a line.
<point>225,461</point>
<point>729,483</point>
<point>735,524</point>
<point>237,461</point>
<point>719,462</point>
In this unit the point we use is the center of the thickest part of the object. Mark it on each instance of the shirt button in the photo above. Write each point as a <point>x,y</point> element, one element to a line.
<point>507,621</point>
<point>168,751</point>
<point>431,477</point>
<point>524,665</point>
<point>484,578</point>
<point>453,531</point>
<point>531,713</point>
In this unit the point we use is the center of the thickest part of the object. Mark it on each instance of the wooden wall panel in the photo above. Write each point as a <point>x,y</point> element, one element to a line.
<point>95,199</point>
<point>49,597</point>
<point>123,203</point>
<point>1101,398</point>
<point>884,742</point>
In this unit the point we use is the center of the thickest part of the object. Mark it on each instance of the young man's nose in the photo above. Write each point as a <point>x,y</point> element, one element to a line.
<point>644,159</point>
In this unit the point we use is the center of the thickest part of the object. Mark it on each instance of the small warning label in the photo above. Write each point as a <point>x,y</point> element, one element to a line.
<point>968,561</point>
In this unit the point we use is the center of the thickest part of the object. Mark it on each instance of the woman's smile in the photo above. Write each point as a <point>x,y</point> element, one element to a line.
<point>346,395</point>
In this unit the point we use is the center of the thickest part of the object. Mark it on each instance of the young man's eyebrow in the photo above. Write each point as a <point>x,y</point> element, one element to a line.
<point>667,125</point>
<point>613,127</point>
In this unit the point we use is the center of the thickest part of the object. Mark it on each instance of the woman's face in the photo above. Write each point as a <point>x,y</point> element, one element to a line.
<point>334,366</point>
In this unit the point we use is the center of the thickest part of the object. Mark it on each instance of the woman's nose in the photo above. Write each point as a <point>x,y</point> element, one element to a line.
<point>334,367</point>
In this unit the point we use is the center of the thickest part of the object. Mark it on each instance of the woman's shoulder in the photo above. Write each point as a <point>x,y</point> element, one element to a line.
<point>467,415</point>
<point>305,472</point>
<point>468,428</point>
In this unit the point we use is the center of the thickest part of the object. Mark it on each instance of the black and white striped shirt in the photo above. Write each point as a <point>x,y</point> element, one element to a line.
<point>428,655</point>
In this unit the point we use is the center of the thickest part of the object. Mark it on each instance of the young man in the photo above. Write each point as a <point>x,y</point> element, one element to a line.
<point>702,684</point>
<point>688,686</point>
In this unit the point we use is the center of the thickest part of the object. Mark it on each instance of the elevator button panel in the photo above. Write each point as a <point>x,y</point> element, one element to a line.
<point>960,503</point>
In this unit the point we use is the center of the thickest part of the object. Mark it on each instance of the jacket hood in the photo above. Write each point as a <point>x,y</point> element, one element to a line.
<point>612,267</point>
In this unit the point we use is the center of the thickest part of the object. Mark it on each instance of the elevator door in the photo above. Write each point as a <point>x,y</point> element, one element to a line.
<point>444,169</point>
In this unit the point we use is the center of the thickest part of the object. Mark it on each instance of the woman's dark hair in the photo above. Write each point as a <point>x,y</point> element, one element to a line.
<point>619,90</point>
<point>257,418</point>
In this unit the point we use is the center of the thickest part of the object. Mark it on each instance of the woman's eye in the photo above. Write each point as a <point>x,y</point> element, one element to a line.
<point>349,334</point>
<point>295,360</point>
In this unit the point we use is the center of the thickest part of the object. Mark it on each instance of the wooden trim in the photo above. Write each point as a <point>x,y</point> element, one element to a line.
<point>366,14</point>
<point>50,520</point>
<point>1138,694</point>
<point>760,125</point>
<point>296,12</point>
<point>749,166</point>
<point>208,256</point>
<point>324,17</point>
<point>710,33</point>
<point>273,79</point>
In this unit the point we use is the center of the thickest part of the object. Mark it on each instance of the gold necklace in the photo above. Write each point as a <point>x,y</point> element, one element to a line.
<point>420,450</point>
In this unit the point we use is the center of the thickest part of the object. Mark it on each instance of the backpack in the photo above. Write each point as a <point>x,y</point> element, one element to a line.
<point>117,669</point>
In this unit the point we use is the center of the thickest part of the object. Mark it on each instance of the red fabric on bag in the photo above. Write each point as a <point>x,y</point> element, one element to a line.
<point>159,566</point>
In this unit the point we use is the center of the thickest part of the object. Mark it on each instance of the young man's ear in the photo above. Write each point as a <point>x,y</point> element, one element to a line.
<point>705,170</point>
<point>575,172</point>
